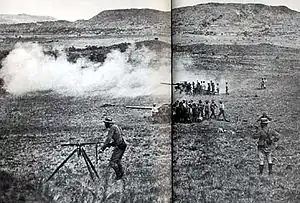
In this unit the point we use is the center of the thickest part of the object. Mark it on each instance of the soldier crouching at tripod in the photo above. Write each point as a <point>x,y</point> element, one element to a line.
<point>266,138</point>
<point>115,139</point>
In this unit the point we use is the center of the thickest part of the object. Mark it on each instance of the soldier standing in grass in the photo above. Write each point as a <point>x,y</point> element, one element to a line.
<point>204,88</point>
<point>213,107</point>
<point>201,108</point>
<point>263,83</point>
<point>206,109</point>
<point>208,88</point>
<point>115,139</point>
<point>226,88</point>
<point>266,139</point>
<point>154,110</point>
<point>213,88</point>
<point>222,111</point>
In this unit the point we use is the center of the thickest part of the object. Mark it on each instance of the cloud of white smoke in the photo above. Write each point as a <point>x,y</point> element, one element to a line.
<point>133,73</point>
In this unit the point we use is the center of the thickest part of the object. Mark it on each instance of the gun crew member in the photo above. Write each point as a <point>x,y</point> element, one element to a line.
<point>115,139</point>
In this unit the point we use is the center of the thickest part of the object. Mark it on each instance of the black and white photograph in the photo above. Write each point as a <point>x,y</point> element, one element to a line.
<point>84,116</point>
<point>186,101</point>
<point>236,90</point>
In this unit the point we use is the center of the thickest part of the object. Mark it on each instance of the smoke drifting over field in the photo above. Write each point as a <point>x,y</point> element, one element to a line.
<point>135,72</point>
<point>184,71</point>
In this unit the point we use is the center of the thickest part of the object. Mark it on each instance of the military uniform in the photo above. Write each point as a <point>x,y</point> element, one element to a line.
<point>115,139</point>
<point>206,110</point>
<point>266,138</point>
<point>222,111</point>
<point>213,107</point>
<point>226,88</point>
<point>201,109</point>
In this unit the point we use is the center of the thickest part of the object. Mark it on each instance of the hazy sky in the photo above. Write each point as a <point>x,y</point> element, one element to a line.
<point>292,4</point>
<point>75,9</point>
<point>85,9</point>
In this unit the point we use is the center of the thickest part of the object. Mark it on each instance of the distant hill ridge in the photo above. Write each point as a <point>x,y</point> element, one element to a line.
<point>129,21</point>
<point>130,17</point>
<point>23,18</point>
<point>233,18</point>
<point>241,5</point>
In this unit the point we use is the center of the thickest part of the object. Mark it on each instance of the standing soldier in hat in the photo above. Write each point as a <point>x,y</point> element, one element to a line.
<point>208,88</point>
<point>213,89</point>
<point>222,111</point>
<point>266,138</point>
<point>204,87</point>
<point>213,107</point>
<point>263,83</point>
<point>206,110</point>
<point>115,139</point>
<point>201,109</point>
<point>226,88</point>
<point>154,110</point>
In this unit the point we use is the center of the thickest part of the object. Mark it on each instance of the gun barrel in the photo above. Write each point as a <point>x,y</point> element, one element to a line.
<point>165,83</point>
<point>79,144</point>
<point>139,107</point>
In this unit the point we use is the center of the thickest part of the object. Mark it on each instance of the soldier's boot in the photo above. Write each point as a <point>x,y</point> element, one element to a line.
<point>121,171</point>
<point>261,169</point>
<point>116,169</point>
<point>270,169</point>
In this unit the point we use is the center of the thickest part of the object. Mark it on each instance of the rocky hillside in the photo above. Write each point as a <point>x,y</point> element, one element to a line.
<point>131,17</point>
<point>23,18</point>
<point>236,20</point>
<point>126,21</point>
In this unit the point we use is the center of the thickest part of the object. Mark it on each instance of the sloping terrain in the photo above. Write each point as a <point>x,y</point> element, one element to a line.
<point>229,23</point>
<point>133,17</point>
<point>254,19</point>
<point>217,161</point>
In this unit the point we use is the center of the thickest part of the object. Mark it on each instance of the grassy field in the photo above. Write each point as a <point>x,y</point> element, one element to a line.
<point>34,126</point>
<point>65,41</point>
<point>214,166</point>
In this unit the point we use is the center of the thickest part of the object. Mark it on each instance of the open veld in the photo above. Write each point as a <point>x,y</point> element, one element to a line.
<point>35,121</point>
<point>36,125</point>
<point>217,161</point>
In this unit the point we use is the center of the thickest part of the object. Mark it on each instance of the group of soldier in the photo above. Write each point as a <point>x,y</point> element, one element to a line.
<point>263,83</point>
<point>200,88</point>
<point>189,111</point>
<point>185,111</point>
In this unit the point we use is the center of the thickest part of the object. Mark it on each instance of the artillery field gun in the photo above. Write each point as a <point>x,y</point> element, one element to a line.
<point>161,114</point>
<point>179,86</point>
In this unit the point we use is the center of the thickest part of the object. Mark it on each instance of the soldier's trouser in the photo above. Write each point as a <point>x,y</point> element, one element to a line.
<point>115,160</point>
<point>222,113</point>
<point>206,115</point>
<point>213,114</point>
<point>262,154</point>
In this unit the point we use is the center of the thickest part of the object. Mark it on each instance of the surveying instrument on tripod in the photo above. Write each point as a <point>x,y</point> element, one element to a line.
<point>81,153</point>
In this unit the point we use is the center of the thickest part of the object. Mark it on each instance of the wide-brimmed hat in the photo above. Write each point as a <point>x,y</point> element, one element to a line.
<point>264,121</point>
<point>108,120</point>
